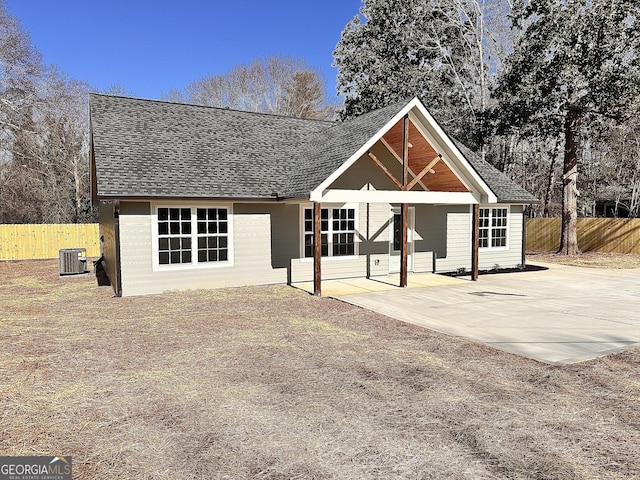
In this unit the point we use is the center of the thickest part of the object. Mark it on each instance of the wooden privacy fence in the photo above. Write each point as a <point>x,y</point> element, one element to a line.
<point>613,235</point>
<point>29,242</point>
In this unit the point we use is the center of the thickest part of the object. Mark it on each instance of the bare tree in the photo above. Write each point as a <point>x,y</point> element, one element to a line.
<point>267,86</point>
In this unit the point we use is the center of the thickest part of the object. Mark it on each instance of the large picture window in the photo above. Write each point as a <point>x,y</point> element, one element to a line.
<point>192,236</point>
<point>337,232</point>
<point>493,227</point>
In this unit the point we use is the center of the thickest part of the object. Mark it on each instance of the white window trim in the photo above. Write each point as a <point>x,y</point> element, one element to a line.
<point>356,237</point>
<point>507,226</point>
<point>194,265</point>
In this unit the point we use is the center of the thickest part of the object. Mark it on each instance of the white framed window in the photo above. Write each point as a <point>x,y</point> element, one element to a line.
<point>191,236</point>
<point>494,227</point>
<point>337,231</point>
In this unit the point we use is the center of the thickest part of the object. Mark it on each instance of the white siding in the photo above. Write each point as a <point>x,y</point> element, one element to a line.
<point>252,256</point>
<point>458,251</point>
<point>510,257</point>
<point>458,240</point>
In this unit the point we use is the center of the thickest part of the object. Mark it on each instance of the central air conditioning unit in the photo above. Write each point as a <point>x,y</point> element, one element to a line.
<point>73,261</point>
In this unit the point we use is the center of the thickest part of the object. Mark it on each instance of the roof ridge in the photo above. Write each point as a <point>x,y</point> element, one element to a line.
<point>224,109</point>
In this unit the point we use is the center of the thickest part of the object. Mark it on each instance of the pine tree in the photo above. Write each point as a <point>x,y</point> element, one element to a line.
<point>574,61</point>
<point>440,51</point>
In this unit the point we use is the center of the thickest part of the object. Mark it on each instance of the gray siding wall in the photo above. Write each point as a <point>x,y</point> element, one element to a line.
<point>266,247</point>
<point>252,240</point>
<point>458,245</point>
<point>512,256</point>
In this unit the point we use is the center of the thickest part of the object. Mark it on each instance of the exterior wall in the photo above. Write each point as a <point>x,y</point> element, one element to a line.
<point>267,247</point>
<point>252,260</point>
<point>457,254</point>
<point>511,256</point>
<point>109,241</point>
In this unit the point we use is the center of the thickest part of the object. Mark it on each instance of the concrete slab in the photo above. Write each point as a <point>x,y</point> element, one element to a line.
<point>351,286</point>
<point>558,316</point>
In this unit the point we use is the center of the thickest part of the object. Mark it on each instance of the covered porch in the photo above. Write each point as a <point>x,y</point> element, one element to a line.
<point>409,163</point>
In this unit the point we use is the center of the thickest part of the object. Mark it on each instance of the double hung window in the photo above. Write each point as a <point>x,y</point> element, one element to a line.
<point>493,227</point>
<point>337,232</point>
<point>191,236</point>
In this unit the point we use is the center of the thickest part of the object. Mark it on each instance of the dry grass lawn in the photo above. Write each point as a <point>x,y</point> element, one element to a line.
<point>588,259</point>
<point>272,383</point>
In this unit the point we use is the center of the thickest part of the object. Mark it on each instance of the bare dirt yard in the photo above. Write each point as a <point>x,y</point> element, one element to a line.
<point>272,383</point>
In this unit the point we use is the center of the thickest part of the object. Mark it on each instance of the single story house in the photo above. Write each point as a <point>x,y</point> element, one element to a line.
<point>200,197</point>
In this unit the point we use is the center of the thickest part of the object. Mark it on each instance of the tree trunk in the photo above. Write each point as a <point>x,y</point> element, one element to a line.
<point>569,238</point>
<point>550,180</point>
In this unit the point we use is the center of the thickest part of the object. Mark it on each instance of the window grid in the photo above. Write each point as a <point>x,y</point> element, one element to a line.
<point>174,235</point>
<point>192,236</point>
<point>212,227</point>
<point>493,227</point>
<point>337,224</point>
<point>499,227</point>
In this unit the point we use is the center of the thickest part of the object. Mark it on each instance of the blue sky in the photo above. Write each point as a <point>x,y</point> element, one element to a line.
<point>151,46</point>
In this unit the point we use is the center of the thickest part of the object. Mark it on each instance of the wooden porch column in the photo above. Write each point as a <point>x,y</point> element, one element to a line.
<point>404,211</point>
<point>317,251</point>
<point>475,239</point>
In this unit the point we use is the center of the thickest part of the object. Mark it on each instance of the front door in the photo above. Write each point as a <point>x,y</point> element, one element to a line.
<point>395,240</point>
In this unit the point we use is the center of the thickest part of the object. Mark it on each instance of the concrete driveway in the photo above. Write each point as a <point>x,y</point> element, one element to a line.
<point>561,315</point>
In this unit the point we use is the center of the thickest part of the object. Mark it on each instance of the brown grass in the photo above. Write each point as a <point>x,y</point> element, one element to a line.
<point>588,259</point>
<point>272,383</point>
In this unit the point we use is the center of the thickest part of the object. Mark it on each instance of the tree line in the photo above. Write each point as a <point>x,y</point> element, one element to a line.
<point>545,90</point>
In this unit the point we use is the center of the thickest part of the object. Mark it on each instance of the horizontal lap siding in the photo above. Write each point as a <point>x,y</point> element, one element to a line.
<point>458,235</point>
<point>252,257</point>
<point>458,254</point>
<point>332,268</point>
<point>376,233</point>
<point>505,258</point>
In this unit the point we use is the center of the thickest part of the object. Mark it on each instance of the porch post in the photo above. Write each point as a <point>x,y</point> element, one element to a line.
<point>404,212</point>
<point>317,251</point>
<point>404,270</point>
<point>475,238</point>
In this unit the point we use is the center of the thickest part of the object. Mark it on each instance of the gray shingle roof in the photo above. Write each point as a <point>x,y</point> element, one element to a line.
<point>147,148</point>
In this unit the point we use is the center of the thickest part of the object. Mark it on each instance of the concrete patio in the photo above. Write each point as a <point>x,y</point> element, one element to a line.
<point>561,315</point>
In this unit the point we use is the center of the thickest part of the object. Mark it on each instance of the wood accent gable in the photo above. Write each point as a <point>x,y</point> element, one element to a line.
<point>384,169</point>
<point>421,154</point>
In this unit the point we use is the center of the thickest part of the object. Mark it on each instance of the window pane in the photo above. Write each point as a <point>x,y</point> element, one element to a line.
<point>308,225</point>
<point>163,214</point>
<point>202,228</point>
<point>174,243</point>
<point>201,214</point>
<point>202,256</point>
<point>186,256</point>
<point>308,214</point>
<point>222,227</point>
<point>222,242</point>
<point>163,228</point>
<point>174,214</point>
<point>186,213</point>
<point>164,258</point>
<point>213,227</point>
<point>222,214</point>
<point>163,243</point>
<point>174,228</point>
<point>175,257</point>
<point>186,228</point>
<point>222,255</point>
